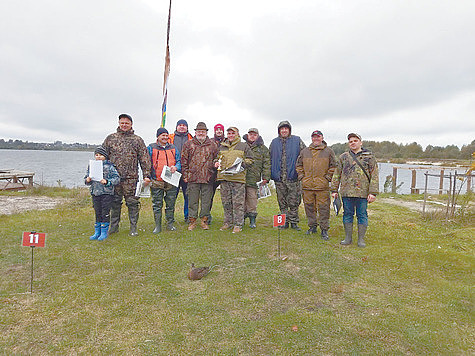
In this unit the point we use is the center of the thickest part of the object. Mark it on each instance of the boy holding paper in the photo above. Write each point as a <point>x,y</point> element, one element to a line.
<point>101,177</point>
<point>163,154</point>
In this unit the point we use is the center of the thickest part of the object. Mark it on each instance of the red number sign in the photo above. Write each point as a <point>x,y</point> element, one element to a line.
<point>279,220</point>
<point>36,239</point>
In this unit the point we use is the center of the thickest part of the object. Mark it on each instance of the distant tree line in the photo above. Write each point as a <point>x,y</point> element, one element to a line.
<point>391,150</point>
<point>56,146</point>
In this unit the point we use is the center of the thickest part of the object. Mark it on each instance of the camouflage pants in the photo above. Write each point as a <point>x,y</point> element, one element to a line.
<point>317,203</point>
<point>289,196</point>
<point>197,192</point>
<point>125,190</point>
<point>233,197</point>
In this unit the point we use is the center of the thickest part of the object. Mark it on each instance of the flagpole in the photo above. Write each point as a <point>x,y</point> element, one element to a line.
<point>167,70</point>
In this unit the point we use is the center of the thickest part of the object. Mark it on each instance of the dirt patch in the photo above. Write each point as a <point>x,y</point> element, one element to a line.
<point>14,205</point>
<point>414,205</point>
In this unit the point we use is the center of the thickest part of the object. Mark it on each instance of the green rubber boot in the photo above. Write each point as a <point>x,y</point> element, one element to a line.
<point>361,233</point>
<point>348,234</point>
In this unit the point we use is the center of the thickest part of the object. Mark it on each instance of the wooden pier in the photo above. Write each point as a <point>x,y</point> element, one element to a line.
<point>12,179</point>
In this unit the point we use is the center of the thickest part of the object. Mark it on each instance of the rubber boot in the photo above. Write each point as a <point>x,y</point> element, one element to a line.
<point>192,224</point>
<point>348,234</point>
<point>252,220</point>
<point>295,226</point>
<point>104,231</point>
<point>133,218</point>
<point>97,231</point>
<point>115,219</point>
<point>170,226</point>
<point>311,230</point>
<point>361,233</point>
<point>324,235</point>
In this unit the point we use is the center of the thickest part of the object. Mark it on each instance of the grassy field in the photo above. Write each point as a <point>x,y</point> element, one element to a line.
<point>410,291</point>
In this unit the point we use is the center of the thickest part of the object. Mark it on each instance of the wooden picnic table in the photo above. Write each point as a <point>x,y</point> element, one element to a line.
<point>13,179</point>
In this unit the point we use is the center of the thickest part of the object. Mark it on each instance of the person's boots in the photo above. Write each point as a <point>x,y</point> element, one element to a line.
<point>324,235</point>
<point>115,219</point>
<point>285,226</point>
<point>104,231</point>
<point>348,234</point>
<point>97,231</point>
<point>295,226</point>
<point>171,226</point>
<point>361,233</point>
<point>204,223</point>
<point>133,218</point>
<point>311,230</point>
<point>252,220</point>
<point>192,224</point>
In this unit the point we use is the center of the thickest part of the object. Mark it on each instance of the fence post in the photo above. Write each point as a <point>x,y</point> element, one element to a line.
<point>393,188</point>
<point>425,193</point>
<point>441,182</point>
<point>469,183</point>
<point>413,182</point>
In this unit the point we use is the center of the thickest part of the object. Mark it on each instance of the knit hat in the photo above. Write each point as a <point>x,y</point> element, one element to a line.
<point>102,151</point>
<point>126,116</point>
<point>201,126</point>
<point>181,122</point>
<point>232,128</point>
<point>218,126</point>
<point>161,130</point>
<point>354,135</point>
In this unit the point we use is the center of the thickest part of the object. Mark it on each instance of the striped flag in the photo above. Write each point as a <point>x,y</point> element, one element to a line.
<point>166,71</point>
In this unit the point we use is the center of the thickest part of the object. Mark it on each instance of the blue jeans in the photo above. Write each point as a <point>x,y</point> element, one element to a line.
<point>350,204</point>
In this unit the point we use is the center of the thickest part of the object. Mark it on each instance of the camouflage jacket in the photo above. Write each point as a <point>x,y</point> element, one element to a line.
<point>197,161</point>
<point>350,178</point>
<point>315,167</point>
<point>126,150</point>
<point>228,152</point>
<point>260,168</point>
<point>110,174</point>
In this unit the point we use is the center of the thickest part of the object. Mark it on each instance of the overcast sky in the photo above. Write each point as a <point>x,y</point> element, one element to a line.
<point>392,70</point>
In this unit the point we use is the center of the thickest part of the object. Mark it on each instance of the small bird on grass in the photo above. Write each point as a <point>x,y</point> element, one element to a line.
<point>196,273</point>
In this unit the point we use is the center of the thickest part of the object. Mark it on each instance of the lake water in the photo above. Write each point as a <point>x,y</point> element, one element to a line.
<point>69,167</point>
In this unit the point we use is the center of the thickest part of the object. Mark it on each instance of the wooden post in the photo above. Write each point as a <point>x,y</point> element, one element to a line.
<point>441,182</point>
<point>413,182</point>
<point>393,188</point>
<point>425,193</point>
<point>469,183</point>
<point>448,198</point>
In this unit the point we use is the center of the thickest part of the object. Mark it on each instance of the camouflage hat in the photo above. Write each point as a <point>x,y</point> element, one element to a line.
<point>201,126</point>
<point>232,128</point>
<point>354,135</point>
<point>253,129</point>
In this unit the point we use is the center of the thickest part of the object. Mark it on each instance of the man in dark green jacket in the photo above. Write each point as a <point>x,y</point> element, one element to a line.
<point>259,170</point>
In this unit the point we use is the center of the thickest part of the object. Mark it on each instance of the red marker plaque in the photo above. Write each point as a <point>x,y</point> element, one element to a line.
<point>33,239</point>
<point>279,220</point>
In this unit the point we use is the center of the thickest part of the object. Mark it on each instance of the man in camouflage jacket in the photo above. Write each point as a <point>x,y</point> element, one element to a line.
<point>259,170</point>
<point>197,161</point>
<point>233,188</point>
<point>315,167</point>
<point>126,151</point>
<point>357,178</point>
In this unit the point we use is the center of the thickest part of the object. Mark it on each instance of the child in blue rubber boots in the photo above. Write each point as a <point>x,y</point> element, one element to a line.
<point>102,193</point>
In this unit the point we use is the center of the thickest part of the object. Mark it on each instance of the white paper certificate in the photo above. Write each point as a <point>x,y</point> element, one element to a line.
<point>169,177</point>
<point>95,170</point>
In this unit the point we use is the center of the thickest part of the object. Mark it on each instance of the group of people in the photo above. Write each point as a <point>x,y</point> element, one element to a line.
<point>237,165</point>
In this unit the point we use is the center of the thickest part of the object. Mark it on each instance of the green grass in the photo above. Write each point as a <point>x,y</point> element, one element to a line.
<point>408,292</point>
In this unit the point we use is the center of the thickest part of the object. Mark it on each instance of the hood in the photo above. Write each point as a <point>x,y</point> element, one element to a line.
<point>284,123</point>
<point>321,147</point>
<point>129,132</point>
